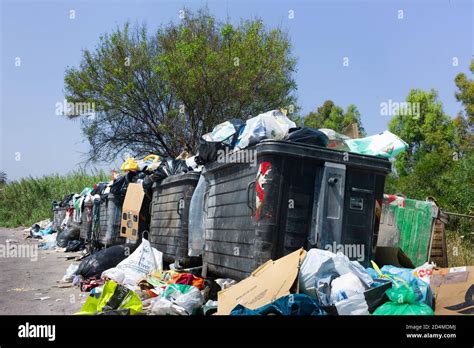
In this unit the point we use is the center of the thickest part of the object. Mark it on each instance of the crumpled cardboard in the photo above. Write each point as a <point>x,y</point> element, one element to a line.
<point>453,290</point>
<point>267,283</point>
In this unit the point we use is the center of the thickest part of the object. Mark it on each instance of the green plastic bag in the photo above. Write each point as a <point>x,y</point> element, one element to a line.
<point>114,299</point>
<point>403,302</point>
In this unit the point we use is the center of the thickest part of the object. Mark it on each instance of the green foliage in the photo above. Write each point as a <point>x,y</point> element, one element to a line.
<point>440,158</point>
<point>159,93</point>
<point>24,202</point>
<point>333,117</point>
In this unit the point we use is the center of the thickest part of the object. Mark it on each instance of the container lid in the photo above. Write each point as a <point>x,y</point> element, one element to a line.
<point>178,178</point>
<point>312,152</point>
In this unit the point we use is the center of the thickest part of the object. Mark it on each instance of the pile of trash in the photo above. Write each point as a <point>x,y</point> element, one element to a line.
<point>317,282</point>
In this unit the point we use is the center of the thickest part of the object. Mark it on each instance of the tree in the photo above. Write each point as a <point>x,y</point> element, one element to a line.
<point>465,94</point>
<point>159,93</point>
<point>424,126</point>
<point>333,117</point>
<point>3,178</point>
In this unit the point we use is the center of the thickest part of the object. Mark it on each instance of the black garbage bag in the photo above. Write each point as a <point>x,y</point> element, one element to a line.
<point>69,234</point>
<point>120,185</point>
<point>208,150</point>
<point>74,245</point>
<point>93,265</point>
<point>308,136</point>
<point>168,167</point>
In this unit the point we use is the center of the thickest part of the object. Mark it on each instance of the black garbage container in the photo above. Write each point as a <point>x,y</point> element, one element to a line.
<point>271,199</point>
<point>170,215</point>
<point>86,222</point>
<point>59,213</point>
<point>109,220</point>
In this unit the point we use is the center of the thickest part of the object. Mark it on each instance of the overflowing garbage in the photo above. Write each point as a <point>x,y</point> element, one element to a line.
<point>141,235</point>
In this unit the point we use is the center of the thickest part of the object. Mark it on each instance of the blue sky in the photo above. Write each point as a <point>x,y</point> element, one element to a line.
<point>387,56</point>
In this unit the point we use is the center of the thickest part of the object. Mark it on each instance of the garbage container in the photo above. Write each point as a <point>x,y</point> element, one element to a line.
<point>86,222</point>
<point>271,199</point>
<point>109,221</point>
<point>59,213</point>
<point>170,215</point>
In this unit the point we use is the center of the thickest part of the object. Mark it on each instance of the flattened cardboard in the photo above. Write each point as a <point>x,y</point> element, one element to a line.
<point>131,211</point>
<point>267,283</point>
<point>392,256</point>
<point>453,290</point>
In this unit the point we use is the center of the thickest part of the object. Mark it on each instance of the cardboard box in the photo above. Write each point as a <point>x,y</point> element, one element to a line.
<point>267,283</point>
<point>453,290</point>
<point>132,205</point>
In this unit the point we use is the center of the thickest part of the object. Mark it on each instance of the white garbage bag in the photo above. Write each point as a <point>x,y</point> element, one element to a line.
<point>144,260</point>
<point>70,273</point>
<point>355,305</point>
<point>270,125</point>
<point>345,287</point>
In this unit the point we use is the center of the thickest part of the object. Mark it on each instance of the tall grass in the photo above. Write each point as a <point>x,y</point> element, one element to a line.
<point>24,202</point>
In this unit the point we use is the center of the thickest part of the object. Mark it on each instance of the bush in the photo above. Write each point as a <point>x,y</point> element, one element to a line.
<point>24,202</point>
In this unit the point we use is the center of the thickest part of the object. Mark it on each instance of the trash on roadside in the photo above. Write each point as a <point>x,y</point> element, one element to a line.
<point>48,242</point>
<point>293,304</point>
<point>178,299</point>
<point>143,261</point>
<point>70,273</point>
<point>74,245</point>
<point>113,299</point>
<point>66,236</point>
<point>93,265</point>
<point>273,279</point>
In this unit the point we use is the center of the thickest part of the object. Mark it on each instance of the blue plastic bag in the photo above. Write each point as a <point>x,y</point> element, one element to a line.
<point>299,304</point>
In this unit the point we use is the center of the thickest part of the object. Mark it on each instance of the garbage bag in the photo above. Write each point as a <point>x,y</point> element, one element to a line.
<point>321,267</point>
<point>74,245</point>
<point>197,218</point>
<point>49,241</point>
<point>69,234</point>
<point>346,286</point>
<point>120,185</point>
<point>178,299</point>
<point>208,151</point>
<point>270,125</point>
<point>129,164</point>
<point>114,299</point>
<point>354,305</point>
<point>298,304</point>
<point>168,167</point>
<point>336,140</point>
<point>418,279</point>
<point>385,144</point>
<point>93,265</point>
<point>70,273</point>
<point>144,260</point>
<point>403,301</point>
<point>307,135</point>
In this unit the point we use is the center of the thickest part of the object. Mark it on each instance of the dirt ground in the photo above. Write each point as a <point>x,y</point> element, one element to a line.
<point>29,280</point>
